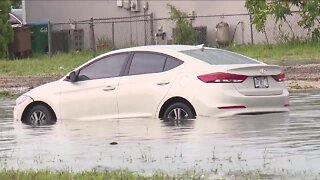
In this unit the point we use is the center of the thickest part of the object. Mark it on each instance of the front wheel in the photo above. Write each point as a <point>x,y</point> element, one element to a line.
<point>178,111</point>
<point>39,115</point>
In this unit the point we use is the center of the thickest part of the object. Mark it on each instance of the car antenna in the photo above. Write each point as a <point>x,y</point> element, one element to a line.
<point>201,46</point>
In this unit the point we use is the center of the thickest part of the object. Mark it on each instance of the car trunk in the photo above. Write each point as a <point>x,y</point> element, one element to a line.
<point>260,80</point>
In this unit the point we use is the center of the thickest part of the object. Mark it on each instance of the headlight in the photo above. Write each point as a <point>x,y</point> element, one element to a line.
<point>21,99</point>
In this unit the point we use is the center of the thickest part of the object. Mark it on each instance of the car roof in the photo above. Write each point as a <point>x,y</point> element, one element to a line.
<point>160,48</point>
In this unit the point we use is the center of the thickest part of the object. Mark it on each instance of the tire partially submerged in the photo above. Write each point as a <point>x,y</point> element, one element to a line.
<point>178,111</point>
<point>40,115</point>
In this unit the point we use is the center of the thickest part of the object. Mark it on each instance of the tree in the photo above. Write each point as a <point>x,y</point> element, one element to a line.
<point>184,32</point>
<point>309,10</point>
<point>6,33</point>
<point>259,11</point>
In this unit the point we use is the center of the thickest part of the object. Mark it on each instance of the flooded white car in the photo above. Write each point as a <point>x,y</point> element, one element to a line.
<point>162,81</point>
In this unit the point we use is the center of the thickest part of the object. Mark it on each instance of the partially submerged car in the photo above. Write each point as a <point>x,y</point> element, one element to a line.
<point>161,81</point>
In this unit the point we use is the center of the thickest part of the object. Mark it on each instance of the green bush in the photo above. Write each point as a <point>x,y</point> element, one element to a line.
<point>6,33</point>
<point>184,33</point>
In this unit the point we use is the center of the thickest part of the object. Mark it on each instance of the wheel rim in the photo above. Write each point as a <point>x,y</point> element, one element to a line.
<point>38,118</point>
<point>178,113</point>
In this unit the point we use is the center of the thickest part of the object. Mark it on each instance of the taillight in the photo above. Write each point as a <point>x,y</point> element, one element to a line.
<point>220,77</point>
<point>279,77</point>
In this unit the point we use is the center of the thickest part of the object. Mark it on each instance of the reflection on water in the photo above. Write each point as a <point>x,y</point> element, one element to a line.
<point>290,141</point>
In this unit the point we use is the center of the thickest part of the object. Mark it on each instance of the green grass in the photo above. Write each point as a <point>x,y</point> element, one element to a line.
<point>10,95</point>
<point>294,52</point>
<point>48,175</point>
<point>42,65</point>
<point>103,175</point>
<point>128,175</point>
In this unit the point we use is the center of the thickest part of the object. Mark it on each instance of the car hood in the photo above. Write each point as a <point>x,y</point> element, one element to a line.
<point>45,91</point>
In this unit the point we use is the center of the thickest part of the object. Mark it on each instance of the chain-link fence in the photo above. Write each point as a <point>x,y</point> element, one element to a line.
<point>113,33</point>
<point>241,30</point>
<point>100,34</point>
<point>239,27</point>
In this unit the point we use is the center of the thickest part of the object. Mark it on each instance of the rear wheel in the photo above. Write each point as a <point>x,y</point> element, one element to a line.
<point>178,111</point>
<point>39,115</point>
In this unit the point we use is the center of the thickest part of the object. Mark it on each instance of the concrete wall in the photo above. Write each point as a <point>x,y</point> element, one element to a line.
<point>78,10</point>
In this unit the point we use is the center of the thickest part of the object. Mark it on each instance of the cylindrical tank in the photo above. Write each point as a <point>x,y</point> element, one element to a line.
<point>222,33</point>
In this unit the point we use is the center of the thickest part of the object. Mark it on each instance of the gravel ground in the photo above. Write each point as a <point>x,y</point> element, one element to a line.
<point>20,84</point>
<point>297,77</point>
<point>303,76</point>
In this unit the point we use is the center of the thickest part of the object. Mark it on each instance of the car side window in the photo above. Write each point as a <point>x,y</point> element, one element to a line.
<point>171,63</point>
<point>110,66</point>
<point>144,63</point>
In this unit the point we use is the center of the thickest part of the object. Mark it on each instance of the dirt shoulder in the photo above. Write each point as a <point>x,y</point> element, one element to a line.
<point>303,76</point>
<point>297,76</point>
<point>20,84</point>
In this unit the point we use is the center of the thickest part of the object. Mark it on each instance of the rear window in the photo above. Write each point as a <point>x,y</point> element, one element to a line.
<point>219,57</point>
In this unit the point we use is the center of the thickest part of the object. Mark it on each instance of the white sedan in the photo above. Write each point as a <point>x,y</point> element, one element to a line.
<point>162,81</point>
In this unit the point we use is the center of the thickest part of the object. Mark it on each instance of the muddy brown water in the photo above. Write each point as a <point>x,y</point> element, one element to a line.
<point>285,141</point>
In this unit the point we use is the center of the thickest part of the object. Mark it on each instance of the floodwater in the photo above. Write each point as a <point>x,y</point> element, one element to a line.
<point>278,142</point>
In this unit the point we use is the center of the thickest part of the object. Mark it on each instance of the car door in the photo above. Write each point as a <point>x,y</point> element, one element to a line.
<point>93,95</point>
<point>147,82</point>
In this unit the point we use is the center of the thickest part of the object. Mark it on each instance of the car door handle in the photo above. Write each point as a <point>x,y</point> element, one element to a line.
<point>109,88</point>
<point>163,83</point>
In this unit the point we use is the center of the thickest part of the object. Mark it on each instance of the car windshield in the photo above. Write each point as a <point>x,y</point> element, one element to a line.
<point>218,57</point>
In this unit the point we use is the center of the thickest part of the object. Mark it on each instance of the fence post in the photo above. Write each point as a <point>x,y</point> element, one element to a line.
<point>151,28</point>
<point>131,43</point>
<point>251,29</point>
<point>145,27</point>
<point>49,38</point>
<point>92,37</point>
<point>113,43</point>
<point>242,32</point>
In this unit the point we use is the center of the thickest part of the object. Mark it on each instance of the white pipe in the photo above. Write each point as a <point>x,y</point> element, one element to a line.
<point>24,14</point>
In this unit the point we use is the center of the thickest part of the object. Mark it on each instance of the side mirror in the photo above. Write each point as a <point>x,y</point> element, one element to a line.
<point>73,76</point>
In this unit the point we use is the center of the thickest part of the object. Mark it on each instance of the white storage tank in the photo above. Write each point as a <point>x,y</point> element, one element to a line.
<point>222,34</point>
